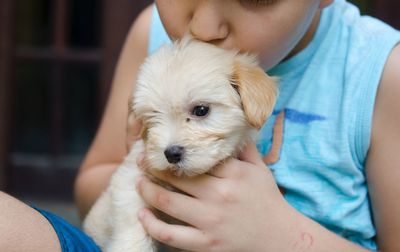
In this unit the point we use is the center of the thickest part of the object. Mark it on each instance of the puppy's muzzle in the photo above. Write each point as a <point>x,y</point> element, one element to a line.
<point>174,154</point>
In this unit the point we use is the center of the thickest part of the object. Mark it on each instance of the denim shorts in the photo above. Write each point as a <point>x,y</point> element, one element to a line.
<point>72,239</point>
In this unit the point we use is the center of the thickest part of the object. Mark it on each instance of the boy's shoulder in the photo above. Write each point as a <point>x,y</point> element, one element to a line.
<point>364,41</point>
<point>364,26</point>
<point>389,89</point>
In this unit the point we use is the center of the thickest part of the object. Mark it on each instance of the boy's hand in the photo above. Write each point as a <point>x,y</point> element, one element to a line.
<point>133,128</point>
<point>235,207</point>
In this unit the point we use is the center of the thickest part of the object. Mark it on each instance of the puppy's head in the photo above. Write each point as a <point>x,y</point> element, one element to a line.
<point>198,104</point>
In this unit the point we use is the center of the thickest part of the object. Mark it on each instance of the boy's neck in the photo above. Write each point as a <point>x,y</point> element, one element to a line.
<point>308,36</point>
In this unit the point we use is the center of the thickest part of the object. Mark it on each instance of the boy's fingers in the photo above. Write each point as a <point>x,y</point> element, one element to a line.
<point>227,169</point>
<point>198,186</point>
<point>232,167</point>
<point>133,130</point>
<point>178,236</point>
<point>178,205</point>
<point>250,154</point>
<point>140,161</point>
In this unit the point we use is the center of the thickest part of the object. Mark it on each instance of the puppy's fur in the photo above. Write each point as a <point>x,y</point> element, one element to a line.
<point>175,87</point>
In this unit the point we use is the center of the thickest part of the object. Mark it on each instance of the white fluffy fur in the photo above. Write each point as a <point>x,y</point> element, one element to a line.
<point>170,83</point>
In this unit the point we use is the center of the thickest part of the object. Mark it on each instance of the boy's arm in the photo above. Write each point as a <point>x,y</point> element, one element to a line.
<point>383,164</point>
<point>22,228</point>
<point>109,145</point>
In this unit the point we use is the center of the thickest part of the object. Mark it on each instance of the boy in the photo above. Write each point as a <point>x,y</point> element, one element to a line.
<point>331,62</point>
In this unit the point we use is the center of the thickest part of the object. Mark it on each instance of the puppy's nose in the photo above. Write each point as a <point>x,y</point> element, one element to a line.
<point>174,153</point>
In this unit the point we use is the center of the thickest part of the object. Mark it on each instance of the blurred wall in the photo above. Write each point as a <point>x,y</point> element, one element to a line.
<point>6,59</point>
<point>57,63</point>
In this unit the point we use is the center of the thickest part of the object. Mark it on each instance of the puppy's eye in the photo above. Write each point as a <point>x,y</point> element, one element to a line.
<point>200,111</point>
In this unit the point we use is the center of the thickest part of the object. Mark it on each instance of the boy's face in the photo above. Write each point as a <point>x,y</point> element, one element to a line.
<point>272,29</point>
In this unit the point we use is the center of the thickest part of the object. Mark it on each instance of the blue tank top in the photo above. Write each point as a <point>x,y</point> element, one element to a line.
<point>327,95</point>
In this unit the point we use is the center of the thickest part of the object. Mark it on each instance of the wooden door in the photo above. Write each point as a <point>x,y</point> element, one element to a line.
<point>56,69</point>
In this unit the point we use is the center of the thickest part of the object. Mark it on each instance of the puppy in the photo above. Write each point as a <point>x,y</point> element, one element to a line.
<point>198,105</point>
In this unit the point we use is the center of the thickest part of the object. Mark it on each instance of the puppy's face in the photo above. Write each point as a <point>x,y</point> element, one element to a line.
<point>198,104</point>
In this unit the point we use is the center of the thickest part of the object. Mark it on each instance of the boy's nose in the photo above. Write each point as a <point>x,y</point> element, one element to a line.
<point>174,154</point>
<point>208,23</point>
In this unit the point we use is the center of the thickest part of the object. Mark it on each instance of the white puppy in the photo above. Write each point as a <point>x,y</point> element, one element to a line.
<point>198,104</point>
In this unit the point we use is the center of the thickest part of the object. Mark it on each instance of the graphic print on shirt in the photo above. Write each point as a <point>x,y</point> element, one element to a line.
<point>293,116</point>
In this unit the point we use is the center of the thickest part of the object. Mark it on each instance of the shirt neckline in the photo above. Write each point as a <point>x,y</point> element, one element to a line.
<point>304,55</point>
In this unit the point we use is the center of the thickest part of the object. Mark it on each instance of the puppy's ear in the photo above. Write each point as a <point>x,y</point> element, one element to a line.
<point>257,91</point>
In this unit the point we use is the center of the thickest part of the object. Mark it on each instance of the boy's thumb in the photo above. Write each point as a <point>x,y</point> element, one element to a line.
<point>250,154</point>
<point>133,131</point>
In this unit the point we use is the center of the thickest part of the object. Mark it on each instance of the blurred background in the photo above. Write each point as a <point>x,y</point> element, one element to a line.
<point>57,59</point>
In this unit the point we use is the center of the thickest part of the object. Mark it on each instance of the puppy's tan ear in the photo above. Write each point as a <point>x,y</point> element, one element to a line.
<point>257,90</point>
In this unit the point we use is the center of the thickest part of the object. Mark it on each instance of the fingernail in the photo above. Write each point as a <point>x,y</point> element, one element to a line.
<point>137,137</point>
<point>136,132</point>
<point>140,158</point>
<point>138,180</point>
<point>142,214</point>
